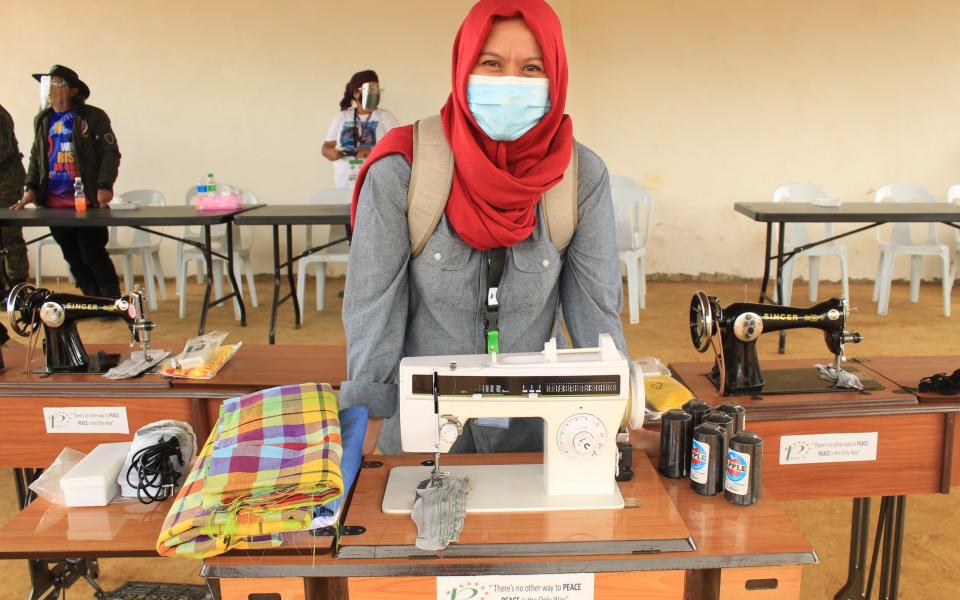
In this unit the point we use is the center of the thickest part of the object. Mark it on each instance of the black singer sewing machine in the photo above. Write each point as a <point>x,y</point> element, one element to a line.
<point>30,308</point>
<point>733,333</point>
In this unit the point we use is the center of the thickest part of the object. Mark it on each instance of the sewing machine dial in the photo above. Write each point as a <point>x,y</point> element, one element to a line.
<point>582,436</point>
<point>450,430</point>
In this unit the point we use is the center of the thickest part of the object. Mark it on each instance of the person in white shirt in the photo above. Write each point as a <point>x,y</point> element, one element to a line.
<point>356,129</point>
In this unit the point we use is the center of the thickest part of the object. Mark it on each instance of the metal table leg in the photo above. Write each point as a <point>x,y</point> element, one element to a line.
<point>901,517</point>
<point>208,260</point>
<point>275,307</point>
<point>290,280</point>
<point>859,527</point>
<point>5,282</point>
<point>764,283</point>
<point>781,229</point>
<point>233,278</point>
<point>892,548</point>
<point>889,536</point>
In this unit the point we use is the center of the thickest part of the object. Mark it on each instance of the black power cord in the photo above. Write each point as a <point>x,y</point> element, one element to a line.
<point>156,476</point>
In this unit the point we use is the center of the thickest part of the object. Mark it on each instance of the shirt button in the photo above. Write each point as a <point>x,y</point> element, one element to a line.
<point>546,263</point>
<point>437,256</point>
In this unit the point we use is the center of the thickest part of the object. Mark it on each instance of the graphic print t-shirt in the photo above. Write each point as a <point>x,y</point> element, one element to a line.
<point>62,160</point>
<point>351,134</point>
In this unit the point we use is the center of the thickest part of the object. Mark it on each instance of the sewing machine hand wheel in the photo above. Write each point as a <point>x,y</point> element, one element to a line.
<point>703,322</point>
<point>21,318</point>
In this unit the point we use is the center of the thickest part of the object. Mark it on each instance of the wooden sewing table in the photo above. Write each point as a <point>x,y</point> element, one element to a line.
<point>915,435</point>
<point>28,444</point>
<point>737,548</point>
<point>912,437</point>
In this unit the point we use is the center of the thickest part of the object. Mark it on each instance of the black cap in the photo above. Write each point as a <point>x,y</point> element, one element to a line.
<point>72,78</point>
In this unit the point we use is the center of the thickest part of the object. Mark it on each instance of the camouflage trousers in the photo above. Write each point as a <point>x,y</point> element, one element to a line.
<point>18,267</point>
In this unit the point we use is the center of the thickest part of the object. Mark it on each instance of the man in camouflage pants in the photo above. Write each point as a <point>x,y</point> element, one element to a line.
<point>12,178</point>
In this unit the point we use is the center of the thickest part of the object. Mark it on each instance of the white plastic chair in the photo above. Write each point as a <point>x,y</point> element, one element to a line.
<point>953,197</point>
<point>187,254</point>
<point>901,242</point>
<point>37,261</point>
<point>797,234</point>
<point>633,214</point>
<point>141,244</point>
<point>336,253</point>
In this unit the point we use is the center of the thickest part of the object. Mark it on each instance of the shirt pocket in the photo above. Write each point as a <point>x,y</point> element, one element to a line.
<point>533,281</point>
<point>441,270</point>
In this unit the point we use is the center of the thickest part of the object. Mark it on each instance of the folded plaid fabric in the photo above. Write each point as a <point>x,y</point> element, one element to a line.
<point>272,458</point>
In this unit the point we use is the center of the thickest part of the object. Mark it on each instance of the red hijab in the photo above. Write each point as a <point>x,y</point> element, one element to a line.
<point>496,185</point>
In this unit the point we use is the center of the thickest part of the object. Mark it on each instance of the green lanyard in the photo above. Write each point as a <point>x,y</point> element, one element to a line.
<point>491,322</point>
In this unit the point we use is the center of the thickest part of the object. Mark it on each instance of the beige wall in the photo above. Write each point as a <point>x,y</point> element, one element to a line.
<point>709,103</point>
<point>705,102</point>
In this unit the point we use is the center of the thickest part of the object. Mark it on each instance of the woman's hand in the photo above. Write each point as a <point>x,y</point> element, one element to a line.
<point>372,435</point>
<point>29,197</point>
<point>104,197</point>
<point>363,153</point>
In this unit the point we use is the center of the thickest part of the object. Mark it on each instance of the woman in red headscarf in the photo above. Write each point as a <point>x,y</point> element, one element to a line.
<point>511,144</point>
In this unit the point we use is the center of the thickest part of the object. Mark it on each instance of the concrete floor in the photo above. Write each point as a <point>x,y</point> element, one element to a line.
<point>909,329</point>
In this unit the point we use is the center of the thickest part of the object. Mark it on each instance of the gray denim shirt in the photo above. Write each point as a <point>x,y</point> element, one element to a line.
<point>396,306</point>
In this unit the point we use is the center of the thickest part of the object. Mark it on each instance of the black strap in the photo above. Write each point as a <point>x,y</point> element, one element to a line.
<point>495,261</point>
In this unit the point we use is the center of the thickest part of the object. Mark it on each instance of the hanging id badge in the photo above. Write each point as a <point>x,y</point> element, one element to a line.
<point>491,323</point>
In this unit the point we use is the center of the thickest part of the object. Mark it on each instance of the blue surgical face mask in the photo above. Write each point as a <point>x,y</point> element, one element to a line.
<point>505,108</point>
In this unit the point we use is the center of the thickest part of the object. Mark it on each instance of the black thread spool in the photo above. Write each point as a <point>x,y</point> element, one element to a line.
<point>698,409</point>
<point>744,469</point>
<point>707,460</point>
<point>738,413</point>
<point>676,427</point>
<point>724,421</point>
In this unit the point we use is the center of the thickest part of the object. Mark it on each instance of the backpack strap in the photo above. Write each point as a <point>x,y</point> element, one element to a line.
<point>560,205</point>
<point>432,174</point>
<point>430,178</point>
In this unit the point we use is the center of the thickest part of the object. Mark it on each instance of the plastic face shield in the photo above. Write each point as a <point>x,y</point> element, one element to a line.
<point>370,95</point>
<point>44,92</point>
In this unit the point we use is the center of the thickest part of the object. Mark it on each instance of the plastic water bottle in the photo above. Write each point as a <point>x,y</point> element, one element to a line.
<point>201,186</point>
<point>211,185</point>
<point>79,196</point>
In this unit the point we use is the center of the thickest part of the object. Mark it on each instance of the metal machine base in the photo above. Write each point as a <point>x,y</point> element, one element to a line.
<point>890,534</point>
<point>100,363</point>
<point>494,488</point>
<point>801,381</point>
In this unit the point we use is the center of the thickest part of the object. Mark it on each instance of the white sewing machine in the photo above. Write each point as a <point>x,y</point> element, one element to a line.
<point>581,395</point>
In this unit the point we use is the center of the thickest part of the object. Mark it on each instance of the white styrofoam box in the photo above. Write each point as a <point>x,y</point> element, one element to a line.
<point>93,481</point>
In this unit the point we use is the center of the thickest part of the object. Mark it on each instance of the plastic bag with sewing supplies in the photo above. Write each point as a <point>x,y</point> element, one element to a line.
<point>202,357</point>
<point>47,486</point>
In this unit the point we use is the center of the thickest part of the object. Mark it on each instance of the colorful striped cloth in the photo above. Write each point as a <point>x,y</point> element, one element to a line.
<point>273,457</point>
